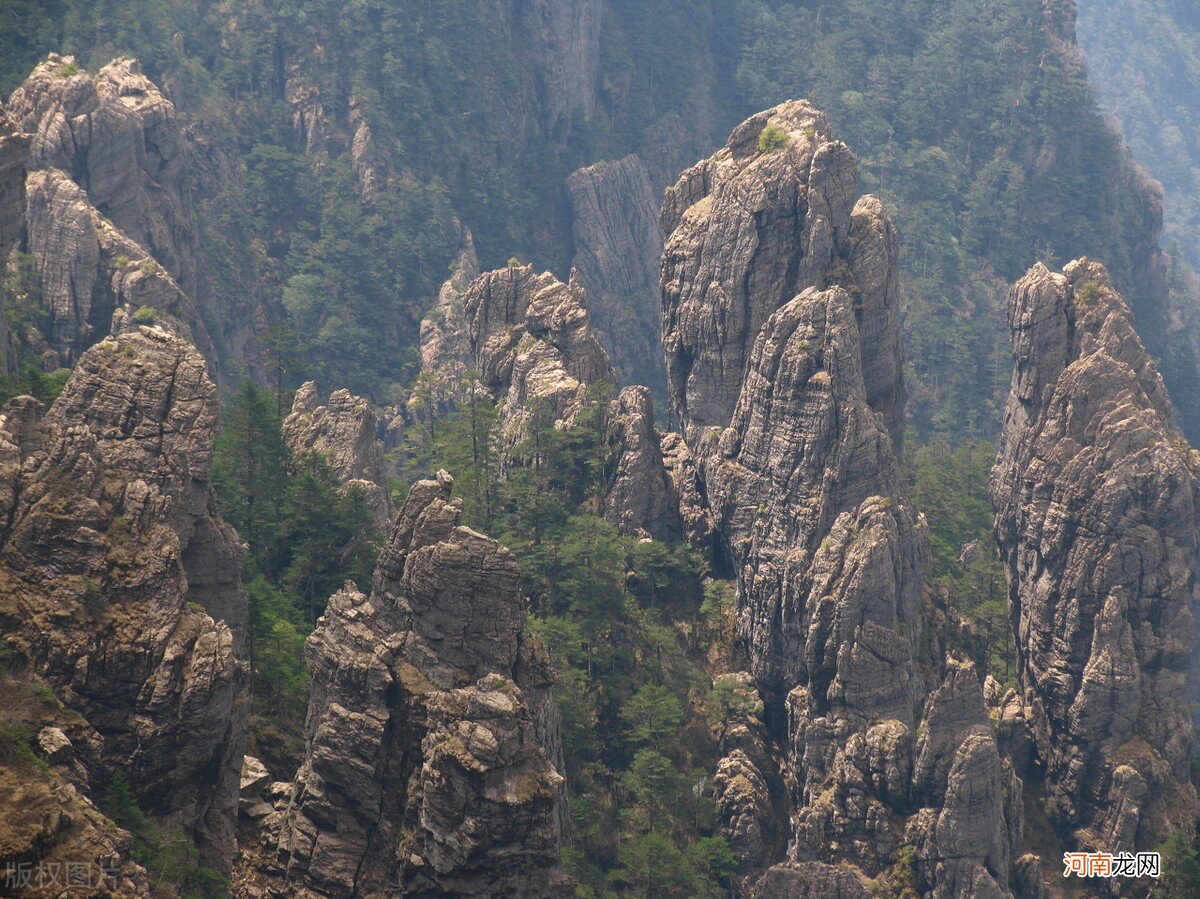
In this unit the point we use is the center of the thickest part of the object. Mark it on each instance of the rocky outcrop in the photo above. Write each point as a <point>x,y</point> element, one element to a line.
<point>781,322</point>
<point>685,481</point>
<point>345,432</point>
<point>117,137</point>
<point>93,278</point>
<point>533,347</point>
<point>810,880</point>
<point>969,824</point>
<point>108,204</point>
<point>120,583</point>
<point>747,786</point>
<point>641,498</point>
<point>618,252</point>
<point>431,765</point>
<point>770,214</point>
<point>1096,511</point>
<point>807,492</point>
<point>446,360</point>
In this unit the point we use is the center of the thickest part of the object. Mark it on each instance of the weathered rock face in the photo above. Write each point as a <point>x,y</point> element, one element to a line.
<point>770,214</point>
<point>533,346</point>
<point>641,498</point>
<point>344,431</point>
<point>747,787</point>
<point>432,744</point>
<point>618,253</point>
<point>93,278</point>
<point>830,560</point>
<point>1096,508</point>
<point>806,490</point>
<point>564,39</point>
<point>970,819</point>
<point>446,359</point>
<point>121,583</point>
<point>108,202</point>
<point>784,353</point>
<point>117,137</point>
<point>685,481</point>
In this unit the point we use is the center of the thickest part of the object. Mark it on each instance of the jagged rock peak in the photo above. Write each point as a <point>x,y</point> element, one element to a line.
<point>132,611</point>
<point>533,344</point>
<point>618,253</point>
<point>803,482</point>
<point>344,431</point>
<point>830,560</point>
<point>1096,499</point>
<point>118,137</point>
<point>446,359</point>
<point>775,211</point>
<point>107,205</point>
<point>431,765</point>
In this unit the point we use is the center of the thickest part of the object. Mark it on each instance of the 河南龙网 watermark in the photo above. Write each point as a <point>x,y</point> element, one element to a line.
<point>1105,864</point>
<point>69,875</point>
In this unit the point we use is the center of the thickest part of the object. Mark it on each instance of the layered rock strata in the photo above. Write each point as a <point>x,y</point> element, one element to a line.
<point>1096,499</point>
<point>108,202</point>
<point>120,582</point>
<point>345,432</point>
<point>432,758</point>
<point>618,252</point>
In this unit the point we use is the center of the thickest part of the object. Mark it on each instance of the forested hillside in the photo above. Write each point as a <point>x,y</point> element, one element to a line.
<point>341,146</point>
<point>1143,60</point>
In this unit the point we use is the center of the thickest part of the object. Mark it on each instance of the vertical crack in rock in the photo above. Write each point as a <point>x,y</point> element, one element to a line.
<point>1096,499</point>
<point>618,253</point>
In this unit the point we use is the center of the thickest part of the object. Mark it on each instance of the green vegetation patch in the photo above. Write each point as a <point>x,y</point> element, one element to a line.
<point>772,138</point>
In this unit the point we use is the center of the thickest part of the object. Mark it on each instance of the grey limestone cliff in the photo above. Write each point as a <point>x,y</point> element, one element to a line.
<point>781,322</point>
<point>618,252</point>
